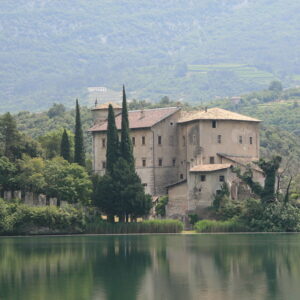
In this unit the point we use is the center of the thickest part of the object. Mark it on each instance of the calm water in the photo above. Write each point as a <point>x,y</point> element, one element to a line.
<point>151,267</point>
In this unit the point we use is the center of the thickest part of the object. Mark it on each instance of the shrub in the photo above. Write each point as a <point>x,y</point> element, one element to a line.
<point>150,226</point>
<point>232,225</point>
<point>17,218</point>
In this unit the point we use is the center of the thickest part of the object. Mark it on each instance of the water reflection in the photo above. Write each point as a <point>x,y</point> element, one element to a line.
<point>151,267</point>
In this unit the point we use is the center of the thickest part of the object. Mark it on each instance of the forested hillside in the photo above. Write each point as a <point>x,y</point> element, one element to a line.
<point>52,50</point>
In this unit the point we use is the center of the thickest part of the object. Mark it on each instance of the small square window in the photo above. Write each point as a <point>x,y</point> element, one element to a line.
<point>159,140</point>
<point>144,162</point>
<point>212,160</point>
<point>145,184</point>
<point>221,178</point>
<point>214,124</point>
<point>240,139</point>
<point>174,162</point>
<point>219,139</point>
<point>202,178</point>
<point>133,140</point>
<point>143,140</point>
<point>103,143</point>
<point>104,165</point>
<point>181,176</point>
<point>251,140</point>
<point>160,162</point>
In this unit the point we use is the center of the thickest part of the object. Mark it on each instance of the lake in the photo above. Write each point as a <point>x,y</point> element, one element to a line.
<point>148,267</point>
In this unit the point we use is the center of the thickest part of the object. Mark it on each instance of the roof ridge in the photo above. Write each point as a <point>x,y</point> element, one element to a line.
<point>158,108</point>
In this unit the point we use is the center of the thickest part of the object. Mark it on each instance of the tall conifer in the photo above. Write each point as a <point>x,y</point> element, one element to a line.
<point>113,146</point>
<point>126,146</point>
<point>65,146</point>
<point>79,155</point>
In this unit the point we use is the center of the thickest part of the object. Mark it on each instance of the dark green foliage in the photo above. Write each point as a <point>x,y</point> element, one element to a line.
<point>221,197</point>
<point>160,208</point>
<point>151,226</point>
<point>232,225</point>
<point>113,146</point>
<point>275,86</point>
<point>79,154</point>
<point>8,172</point>
<point>126,146</point>
<point>9,136</point>
<point>17,218</point>
<point>57,110</point>
<point>270,169</point>
<point>65,147</point>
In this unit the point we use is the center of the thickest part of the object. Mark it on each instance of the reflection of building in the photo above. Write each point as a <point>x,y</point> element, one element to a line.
<point>187,154</point>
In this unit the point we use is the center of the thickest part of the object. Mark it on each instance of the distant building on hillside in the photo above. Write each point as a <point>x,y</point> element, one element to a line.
<point>187,155</point>
<point>103,94</point>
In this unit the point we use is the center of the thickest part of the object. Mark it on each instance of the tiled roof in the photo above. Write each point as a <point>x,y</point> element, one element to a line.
<point>210,167</point>
<point>214,114</point>
<point>106,105</point>
<point>242,160</point>
<point>141,118</point>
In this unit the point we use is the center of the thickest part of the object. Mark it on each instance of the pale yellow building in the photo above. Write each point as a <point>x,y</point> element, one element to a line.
<point>188,155</point>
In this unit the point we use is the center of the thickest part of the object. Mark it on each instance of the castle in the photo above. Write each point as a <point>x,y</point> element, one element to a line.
<point>187,155</point>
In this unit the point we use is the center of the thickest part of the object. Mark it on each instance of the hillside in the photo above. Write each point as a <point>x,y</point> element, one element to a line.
<point>52,51</point>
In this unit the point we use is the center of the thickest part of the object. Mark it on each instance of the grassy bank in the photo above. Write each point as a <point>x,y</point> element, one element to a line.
<point>219,226</point>
<point>151,226</point>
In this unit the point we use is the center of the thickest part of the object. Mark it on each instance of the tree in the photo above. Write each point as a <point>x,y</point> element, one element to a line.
<point>79,156</point>
<point>51,143</point>
<point>8,172</point>
<point>270,169</point>
<point>126,146</point>
<point>9,136</point>
<point>275,86</point>
<point>65,146</point>
<point>68,182</point>
<point>57,110</point>
<point>113,146</point>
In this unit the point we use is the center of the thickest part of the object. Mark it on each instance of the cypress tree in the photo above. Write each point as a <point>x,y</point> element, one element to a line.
<point>126,146</point>
<point>65,146</point>
<point>113,147</point>
<point>79,156</point>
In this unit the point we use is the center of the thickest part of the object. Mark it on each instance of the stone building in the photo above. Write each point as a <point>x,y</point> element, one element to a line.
<point>188,155</point>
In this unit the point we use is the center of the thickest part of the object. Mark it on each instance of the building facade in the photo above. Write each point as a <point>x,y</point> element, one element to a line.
<point>188,155</point>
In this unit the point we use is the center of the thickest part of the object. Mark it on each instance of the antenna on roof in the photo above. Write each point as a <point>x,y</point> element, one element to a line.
<point>96,102</point>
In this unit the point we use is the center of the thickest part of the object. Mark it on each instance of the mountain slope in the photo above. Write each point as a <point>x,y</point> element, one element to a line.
<point>53,50</point>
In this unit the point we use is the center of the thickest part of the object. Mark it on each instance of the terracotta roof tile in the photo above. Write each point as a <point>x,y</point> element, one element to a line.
<point>214,114</point>
<point>141,118</point>
<point>210,167</point>
<point>105,105</point>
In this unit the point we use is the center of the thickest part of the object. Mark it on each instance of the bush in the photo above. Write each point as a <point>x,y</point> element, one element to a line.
<point>151,226</point>
<point>232,225</point>
<point>17,218</point>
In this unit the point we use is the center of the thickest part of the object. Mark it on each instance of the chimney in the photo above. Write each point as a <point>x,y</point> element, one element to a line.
<point>142,114</point>
<point>96,102</point>
<point>205,108</point>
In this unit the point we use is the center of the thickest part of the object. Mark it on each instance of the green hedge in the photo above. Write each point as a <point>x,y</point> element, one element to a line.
<point>17,218</point>
<point>151,226</point>
<point>219,226</point>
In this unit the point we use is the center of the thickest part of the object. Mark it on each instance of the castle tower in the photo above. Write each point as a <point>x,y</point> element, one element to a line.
<point>100,111</point>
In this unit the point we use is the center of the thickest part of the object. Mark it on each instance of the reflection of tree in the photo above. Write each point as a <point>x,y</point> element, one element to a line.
<point>120,268</point>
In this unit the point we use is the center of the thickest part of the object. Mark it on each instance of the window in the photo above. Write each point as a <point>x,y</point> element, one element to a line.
<point>160,162</point>
<point>202,178</point>
<point>194,139</point>
<point>143,140</point>
<point>171,123</point>
<point>183,141</point>
<point>103,143</point>
<point>240,139</point>
<point>174,162</point>
<point>212,160</point>
<point>159,140</point>
<point>219,139</point>
<point>145,184</point>
<point>221,178</point>
<point>104,165</point>
<point>214,124</point>
<point>133,140</point>
<point>218,192</point>
<point>250,140</point>
<point>144,162</point>
<point>181,176</point>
